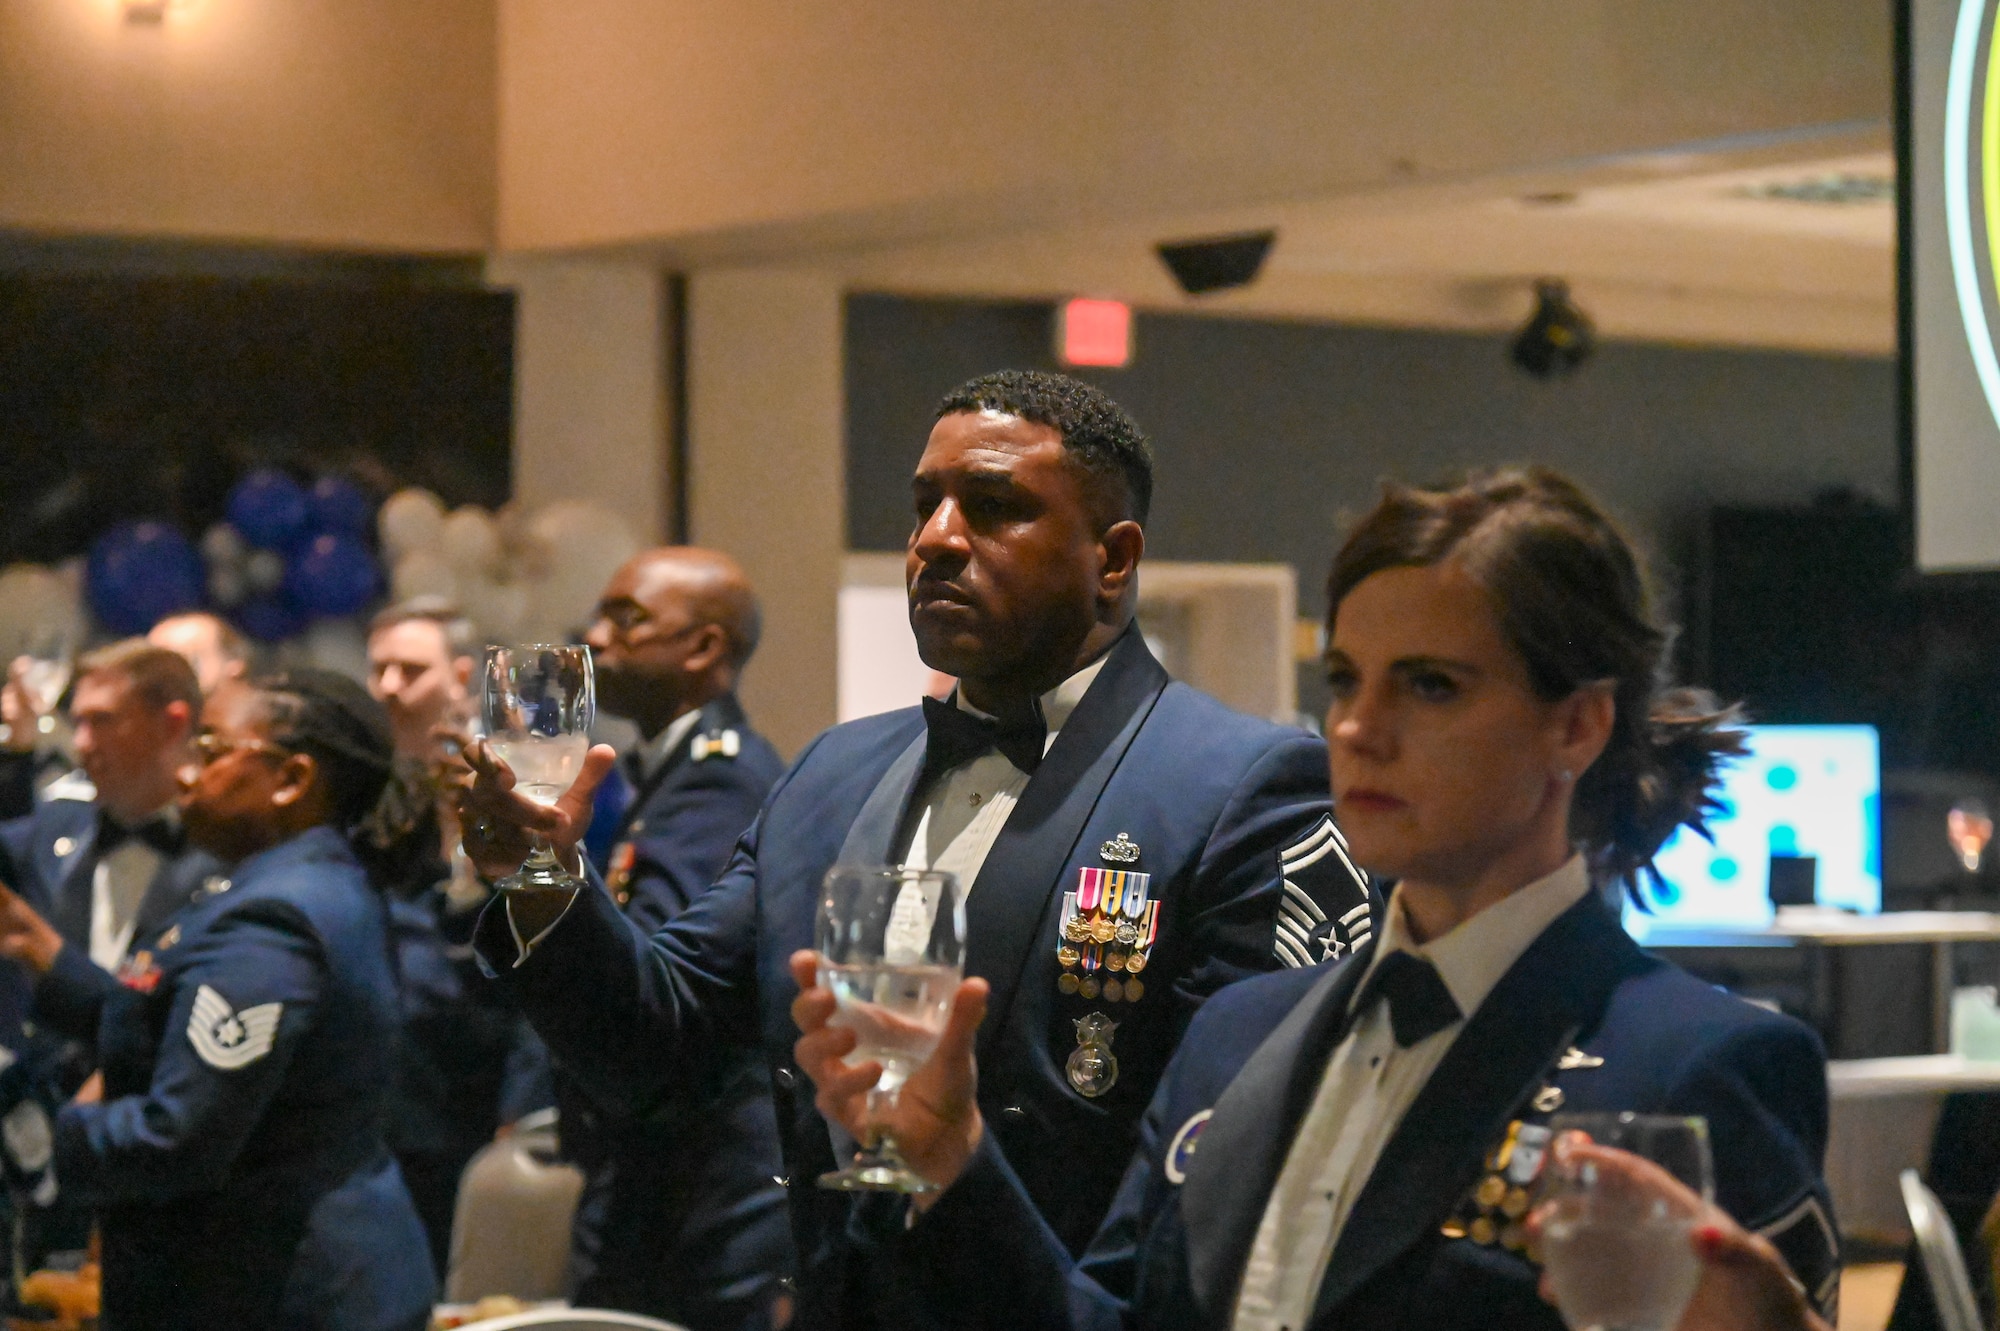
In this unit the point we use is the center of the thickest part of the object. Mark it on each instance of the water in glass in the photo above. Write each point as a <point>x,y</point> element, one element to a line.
<point>544,765</point>
<point>1619,1255</point>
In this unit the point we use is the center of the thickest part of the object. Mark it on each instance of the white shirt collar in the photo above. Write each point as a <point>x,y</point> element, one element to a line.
<point>1473,957</point>
<point>653,753</point>
<point>1057,703</point>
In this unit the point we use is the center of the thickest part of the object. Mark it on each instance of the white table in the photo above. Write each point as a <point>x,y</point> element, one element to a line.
<point>1884,1112</point>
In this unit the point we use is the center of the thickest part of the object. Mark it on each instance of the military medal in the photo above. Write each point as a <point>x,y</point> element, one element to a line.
<point>1092,1067</point>
<point>623,857</point>
<point>1134,991</point>
<point>1105,923</point>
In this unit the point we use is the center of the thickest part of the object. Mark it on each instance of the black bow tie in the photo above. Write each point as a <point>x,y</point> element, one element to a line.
<point>156,832</point>
<point>957,736</point>
<point>1419,1004</point>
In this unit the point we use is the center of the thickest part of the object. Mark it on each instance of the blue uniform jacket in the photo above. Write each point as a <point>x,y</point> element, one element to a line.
<point>1583,1021</point>
<point>50,858</point>
<point>237,1158</point>
<point>1228,814</point>
<point>681,1216</point>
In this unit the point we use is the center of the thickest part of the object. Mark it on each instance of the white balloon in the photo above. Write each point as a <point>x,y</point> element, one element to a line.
<point>586,544</point>
<point>471,540</point>
<point>223,547</point>
<point>264,571</point>
<point>498,609</point>
<point>226,585</point>
<point>410,520</point>
<point>338,644</point>
<point>423,573</point>
<point>36,604</point>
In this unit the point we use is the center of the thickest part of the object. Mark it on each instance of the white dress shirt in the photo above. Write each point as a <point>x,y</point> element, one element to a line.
<point>966,806</point>
<point>1368,1086</point>
<point>652,754</point>
<point>117,885</point>
<point>962,812</point>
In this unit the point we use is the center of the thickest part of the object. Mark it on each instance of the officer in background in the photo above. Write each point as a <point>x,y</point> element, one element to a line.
<point>467,1065</point>
<point>680,1217</point>
<point>1068,765</point>
<point>112,867</point>
<point>104,871</point>
<point>219,654</point>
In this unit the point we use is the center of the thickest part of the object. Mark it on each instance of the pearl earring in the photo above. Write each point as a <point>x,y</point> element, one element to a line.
<point>1565,776</point>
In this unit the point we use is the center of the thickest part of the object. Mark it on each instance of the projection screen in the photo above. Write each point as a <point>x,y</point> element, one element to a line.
<point>1952,175</point>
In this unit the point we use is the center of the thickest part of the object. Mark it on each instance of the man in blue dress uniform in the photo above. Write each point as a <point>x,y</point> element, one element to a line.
<point>467,1063</point>
<point>680,1216</point>
<point>104,858</point>
<point>1129,845</point>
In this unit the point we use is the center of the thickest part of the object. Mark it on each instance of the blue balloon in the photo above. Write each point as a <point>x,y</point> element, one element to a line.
<point>141,572</point>
<point>334,575</point>
<point>270,509</point>
<point>341,506</point>
<point>270,617</point>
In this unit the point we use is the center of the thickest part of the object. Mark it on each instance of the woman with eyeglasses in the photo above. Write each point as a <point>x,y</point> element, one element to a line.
<point>1359,1145</point>
<point>232,1140</point>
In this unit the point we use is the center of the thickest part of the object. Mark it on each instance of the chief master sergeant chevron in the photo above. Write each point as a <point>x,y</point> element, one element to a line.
<point>1066,776</point>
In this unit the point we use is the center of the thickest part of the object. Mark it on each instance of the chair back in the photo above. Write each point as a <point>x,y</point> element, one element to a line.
<point>573,1319</point>
<point>1944,1263</point>
<point>510,1231</point>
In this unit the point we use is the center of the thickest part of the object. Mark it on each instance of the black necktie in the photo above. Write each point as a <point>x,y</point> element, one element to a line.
<point>1419,1004</point>
<point>156,832</point>
<point>957,736</point>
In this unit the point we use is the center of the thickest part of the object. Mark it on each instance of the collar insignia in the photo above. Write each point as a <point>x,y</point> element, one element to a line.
<point>716,744</point>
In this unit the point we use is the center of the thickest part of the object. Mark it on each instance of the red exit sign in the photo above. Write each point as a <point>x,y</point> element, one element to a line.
<point>1094,332</point>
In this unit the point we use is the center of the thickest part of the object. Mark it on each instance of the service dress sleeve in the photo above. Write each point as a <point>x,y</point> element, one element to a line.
<point>633,1016</point>
<point>1274,886</point>
<point>240,1005</point>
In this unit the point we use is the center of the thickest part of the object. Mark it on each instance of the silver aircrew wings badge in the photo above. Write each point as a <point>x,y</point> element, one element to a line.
<point>226,1039</point>
<point>1323,910</point>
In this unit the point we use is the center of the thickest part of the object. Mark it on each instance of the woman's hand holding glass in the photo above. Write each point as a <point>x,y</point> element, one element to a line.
<point>1743,1282</point>
<point>934,1118</point>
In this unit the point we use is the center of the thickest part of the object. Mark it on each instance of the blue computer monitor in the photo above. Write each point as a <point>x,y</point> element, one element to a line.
<point>1801,790</point>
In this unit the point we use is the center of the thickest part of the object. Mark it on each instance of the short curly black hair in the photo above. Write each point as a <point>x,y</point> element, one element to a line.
<point>1105,441</point>
<point>331,717</point>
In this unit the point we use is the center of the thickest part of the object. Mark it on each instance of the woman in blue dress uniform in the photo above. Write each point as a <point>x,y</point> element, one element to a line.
<point>232,1140</point>
<point>1358,1145</point>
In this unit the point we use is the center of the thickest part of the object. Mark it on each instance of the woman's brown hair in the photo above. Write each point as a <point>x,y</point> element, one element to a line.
<point>1573,600</point>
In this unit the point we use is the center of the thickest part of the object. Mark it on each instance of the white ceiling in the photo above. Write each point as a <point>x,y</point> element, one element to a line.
<point>1675,247</point>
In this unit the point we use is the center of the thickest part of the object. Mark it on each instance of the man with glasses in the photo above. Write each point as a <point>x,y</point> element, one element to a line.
<point>680,1217</point>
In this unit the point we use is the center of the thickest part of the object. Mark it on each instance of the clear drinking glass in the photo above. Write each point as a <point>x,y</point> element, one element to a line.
<point>539,701</point>
<point>1969,826</point>
<point>1617,1250</point>
<point>892,949</point>
<point>48,655</point>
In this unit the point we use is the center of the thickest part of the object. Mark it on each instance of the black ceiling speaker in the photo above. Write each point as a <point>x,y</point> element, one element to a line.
<point>1217,262</point>
<point>1558,337</point>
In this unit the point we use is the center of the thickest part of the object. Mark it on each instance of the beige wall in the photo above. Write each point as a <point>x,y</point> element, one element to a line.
<point>590,386</point>
<point>353,123</point>
<point>767,475</point>
<point>730,128</point>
